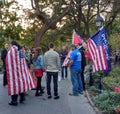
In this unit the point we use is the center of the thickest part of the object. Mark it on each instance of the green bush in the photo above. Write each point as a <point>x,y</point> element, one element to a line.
<point>107,101</point>
<point>113,79</point>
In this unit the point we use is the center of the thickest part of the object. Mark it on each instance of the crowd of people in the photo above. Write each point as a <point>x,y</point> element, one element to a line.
<point>50,62</point>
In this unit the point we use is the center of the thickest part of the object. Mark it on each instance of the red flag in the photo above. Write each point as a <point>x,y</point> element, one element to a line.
<point>76,38</point>
<point>18,75</point>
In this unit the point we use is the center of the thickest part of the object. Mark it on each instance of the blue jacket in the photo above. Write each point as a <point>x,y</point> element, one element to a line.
<point>39,63</point>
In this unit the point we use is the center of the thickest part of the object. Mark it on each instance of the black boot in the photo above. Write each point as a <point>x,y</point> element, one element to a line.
<point>13,100</point>
<point>13,103</point>
<point>22,97</point>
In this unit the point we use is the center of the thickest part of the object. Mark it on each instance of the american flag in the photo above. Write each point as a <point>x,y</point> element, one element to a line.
<point>65,63</point>
<point>98,49</point>
<point>18,75</point>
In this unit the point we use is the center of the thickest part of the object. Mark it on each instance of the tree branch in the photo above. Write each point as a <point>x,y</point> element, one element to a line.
<point>41,15</point>
<point>32,4</point>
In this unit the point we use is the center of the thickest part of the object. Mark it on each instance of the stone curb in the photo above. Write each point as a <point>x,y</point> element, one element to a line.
<point>91,103</point>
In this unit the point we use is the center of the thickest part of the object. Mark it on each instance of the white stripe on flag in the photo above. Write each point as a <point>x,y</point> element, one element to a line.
<point>15,71</point>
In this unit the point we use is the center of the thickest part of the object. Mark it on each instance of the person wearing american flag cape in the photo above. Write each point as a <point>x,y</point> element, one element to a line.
<point>18,75</point>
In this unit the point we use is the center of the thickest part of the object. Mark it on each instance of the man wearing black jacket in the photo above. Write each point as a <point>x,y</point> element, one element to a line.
<point>83,63</point>
<point>3,58</point>
<point>63,55</point>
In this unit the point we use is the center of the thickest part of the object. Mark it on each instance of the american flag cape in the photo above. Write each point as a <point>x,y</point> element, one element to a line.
<point>18,75</point>
<point>98,49</point>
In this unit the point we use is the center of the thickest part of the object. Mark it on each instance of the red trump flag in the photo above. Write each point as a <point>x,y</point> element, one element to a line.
<point>18,75</point>
<point>76,38</point>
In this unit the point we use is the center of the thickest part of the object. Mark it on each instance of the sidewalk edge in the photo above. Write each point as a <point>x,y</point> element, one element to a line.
<point>91,103</point>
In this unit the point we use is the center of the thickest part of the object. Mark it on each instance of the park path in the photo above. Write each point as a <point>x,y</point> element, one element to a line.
<point>41,105</point>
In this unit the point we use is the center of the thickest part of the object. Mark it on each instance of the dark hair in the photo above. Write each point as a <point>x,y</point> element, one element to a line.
<point>51,45</point>
<point>73,45</point>
<point>13,42</point>
<point>39,49</point>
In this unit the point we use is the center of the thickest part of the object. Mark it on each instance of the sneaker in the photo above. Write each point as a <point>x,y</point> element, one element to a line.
<point>56,97</point>
<point>49,96</point>
<point>73,94</point>
<point>81,93</point>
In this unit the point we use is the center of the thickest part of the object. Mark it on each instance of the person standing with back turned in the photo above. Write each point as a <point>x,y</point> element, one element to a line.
<point>52,67</point>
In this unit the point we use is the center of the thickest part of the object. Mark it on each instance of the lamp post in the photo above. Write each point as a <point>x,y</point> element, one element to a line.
<point>99,23</point>
<point>99,20</point>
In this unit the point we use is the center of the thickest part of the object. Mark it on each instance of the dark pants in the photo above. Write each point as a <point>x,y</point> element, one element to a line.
<point>15,97</point>
<point>83,79</point>
<point>55,82</point>
<point>64,68</point>
<point>4,78</point>
<point>39,87</point>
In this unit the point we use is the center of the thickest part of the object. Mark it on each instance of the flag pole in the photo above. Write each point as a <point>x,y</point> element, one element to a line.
<point>73,36</point>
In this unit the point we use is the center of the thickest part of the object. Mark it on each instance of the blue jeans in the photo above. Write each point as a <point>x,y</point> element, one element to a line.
<point>76,81</point>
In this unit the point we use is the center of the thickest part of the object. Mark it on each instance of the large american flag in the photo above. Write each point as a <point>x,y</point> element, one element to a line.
<point>98,49</point>
<point>18,75</point>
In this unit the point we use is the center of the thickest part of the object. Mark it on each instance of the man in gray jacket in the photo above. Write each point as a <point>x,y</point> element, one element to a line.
<point>52,67</point>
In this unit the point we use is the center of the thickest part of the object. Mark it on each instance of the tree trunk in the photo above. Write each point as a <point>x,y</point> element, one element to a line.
<point>39,35</point>
<point>87,32</point>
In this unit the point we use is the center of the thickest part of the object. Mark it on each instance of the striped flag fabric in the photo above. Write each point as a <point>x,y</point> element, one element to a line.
<point>76,38</point>
<point>65,63</point>
<point>98,49</point>
<point>18,75</point>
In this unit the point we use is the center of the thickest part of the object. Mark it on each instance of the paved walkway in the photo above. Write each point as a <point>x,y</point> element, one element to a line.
<point>41,105</point>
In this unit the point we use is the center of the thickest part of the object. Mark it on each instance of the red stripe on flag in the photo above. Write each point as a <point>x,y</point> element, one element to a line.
<point>8,75</point>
